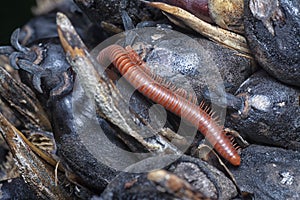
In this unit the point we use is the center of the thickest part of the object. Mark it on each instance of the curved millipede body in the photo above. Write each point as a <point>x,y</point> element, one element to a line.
<point>173,102</point>
<point>135,59</point>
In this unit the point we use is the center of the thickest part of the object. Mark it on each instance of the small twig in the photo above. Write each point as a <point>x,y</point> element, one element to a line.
<point>103,92</point>
<point>227,38</point>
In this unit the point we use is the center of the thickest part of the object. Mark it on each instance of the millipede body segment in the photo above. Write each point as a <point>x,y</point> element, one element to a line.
<point>177,103</point>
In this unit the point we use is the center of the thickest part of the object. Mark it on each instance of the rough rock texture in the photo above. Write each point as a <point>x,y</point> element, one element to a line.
<point>203,178</point>
<point>269,173</point>
<point>273,34</point>
<point>271,114</point>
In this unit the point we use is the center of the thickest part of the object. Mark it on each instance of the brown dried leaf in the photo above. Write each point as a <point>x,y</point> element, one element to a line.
<point>34,171</point>
<point>206,153</point>
<point>227,38</point>
<point>109,102</point>
<point>228,14</point>
<point>175,185</point>
<point>22,101</point>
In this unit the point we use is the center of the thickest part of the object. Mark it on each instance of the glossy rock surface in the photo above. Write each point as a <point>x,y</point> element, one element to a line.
<point>272,115</point>
<point>272,29</point>
<point>269,173</point>
<point>202,177</point>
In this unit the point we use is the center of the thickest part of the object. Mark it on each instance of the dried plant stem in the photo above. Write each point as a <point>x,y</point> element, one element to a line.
<point>225,37</point>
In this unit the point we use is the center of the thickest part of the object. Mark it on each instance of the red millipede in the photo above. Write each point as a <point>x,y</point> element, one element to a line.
<point>175,103</point>
<point>135,58</point>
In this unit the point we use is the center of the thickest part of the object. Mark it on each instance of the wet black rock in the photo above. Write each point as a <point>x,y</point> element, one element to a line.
<point>272,29</point>
<point>269,173</point>
<point>82,145</point>
<point>269,112</point>
<point>16,188</point>
<point>44,25</point>
<point>203,179</point>
<point>110,11</point>
<point>197,63</point>
<point>189,63</point>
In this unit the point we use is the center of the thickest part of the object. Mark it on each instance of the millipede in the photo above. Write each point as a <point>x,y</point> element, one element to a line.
<point>137,74</point>
<point>135,58</point>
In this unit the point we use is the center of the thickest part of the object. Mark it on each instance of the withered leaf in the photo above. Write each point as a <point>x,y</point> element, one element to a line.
<point>227,38</point>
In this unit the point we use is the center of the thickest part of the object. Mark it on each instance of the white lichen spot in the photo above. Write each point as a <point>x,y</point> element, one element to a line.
<point>260,102</point>
<point>287,178</point>
<point>23,101</point>
<point>281,104</point>
<point>267,11</point>
<point>157,36</point>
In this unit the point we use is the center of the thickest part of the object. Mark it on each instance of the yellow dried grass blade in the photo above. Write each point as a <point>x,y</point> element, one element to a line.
<point>225,37</point>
